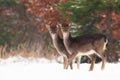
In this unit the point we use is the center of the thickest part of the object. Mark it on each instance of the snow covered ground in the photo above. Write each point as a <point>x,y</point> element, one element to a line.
<point>17,68</point>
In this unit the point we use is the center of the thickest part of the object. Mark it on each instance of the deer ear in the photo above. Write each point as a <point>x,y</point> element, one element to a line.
<point>47,26</point>
<point>59,26</point>
<point>60,33</point>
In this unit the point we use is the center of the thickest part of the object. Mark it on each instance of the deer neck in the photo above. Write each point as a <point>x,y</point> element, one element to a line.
<point>55,40</point>
<point>67,41</point>
<point>58,44</point>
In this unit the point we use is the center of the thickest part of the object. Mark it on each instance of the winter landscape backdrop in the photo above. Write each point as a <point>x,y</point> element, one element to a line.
<point>26,48</point>
<point>18,68</point>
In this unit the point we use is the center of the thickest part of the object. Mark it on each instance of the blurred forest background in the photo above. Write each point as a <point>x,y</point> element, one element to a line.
<point>23,32</point>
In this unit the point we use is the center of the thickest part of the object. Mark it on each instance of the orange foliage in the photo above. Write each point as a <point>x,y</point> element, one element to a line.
<point>102,25</point>
<point>44,9</point>
<point>115,23</point>
<point>116,34</point>
<point>116,28</point>
<point>116,18</point>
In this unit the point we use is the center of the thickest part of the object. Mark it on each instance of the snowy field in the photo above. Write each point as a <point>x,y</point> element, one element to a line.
<point>17,68</point>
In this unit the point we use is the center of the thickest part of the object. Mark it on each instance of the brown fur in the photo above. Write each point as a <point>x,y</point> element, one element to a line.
<point>83,44</point>
<point>58,43</point>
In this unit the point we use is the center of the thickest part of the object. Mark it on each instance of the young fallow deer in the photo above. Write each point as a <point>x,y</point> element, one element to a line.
<point>84,45</point>
<point>59,45</point>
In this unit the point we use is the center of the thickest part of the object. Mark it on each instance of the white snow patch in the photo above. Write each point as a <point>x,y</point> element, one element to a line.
<point>17,68</point>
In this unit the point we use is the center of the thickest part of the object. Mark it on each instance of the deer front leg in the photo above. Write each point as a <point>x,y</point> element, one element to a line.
<point>78,61</point>
<point>66,64</point>
<point>70,59</point>
<point>70,62</point>
<point>71,66</point>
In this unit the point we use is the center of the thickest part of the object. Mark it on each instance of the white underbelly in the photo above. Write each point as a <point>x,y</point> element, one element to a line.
<point>90,52</point>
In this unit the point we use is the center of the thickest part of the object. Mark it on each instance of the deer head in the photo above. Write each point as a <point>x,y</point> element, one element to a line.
<point>65,29</point>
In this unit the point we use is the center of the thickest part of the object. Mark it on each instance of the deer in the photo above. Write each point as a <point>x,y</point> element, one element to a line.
<point>88,45</point>
<point>59,45</point>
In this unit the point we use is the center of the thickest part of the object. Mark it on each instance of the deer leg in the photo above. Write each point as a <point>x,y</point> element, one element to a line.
<point>92,62</point>
<point>103,57</point>
<point>69,63</point>
<point>65,62</point>
<point>67,66</point>
<point>71,66</point>
<point>70,58</point>
<point>78,62</point>
<point>103,62</point>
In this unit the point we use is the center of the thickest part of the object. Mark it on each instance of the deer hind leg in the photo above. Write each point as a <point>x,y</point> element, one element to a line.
<point>103,57</point>
<point>93,57</point>
<point>103,62</point>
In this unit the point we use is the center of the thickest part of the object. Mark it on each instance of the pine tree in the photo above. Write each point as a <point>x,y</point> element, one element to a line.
<point>85,12</point>
<point>88,13</point>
